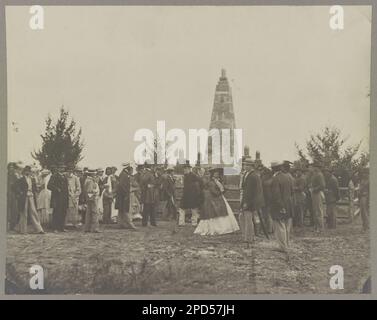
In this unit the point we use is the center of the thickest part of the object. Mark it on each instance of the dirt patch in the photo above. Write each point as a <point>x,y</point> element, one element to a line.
<point>162,261</point>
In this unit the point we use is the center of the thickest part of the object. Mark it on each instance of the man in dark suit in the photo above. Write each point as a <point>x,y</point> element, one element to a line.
<point>26,190</point>
<point>150,196</point>
<point>122,201</point>
<point>58,185</point>
<point>281,205</point>
<point>192,197</point>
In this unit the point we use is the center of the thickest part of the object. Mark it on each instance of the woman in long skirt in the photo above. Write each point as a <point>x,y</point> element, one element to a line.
<point>217,216</point>
<point>43,198</point>
<point>135,206</point>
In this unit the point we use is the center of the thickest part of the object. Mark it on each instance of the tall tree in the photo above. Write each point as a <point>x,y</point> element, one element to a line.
<point>61,142</point>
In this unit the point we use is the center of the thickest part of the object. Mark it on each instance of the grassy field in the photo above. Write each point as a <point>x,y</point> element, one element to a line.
<point>165,260</point>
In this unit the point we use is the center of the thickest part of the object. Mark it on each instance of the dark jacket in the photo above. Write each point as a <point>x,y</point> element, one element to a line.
<point>122,199</point>
<point>281,196</point>
<point>58,185</point>
<point>21,188</point>
<point>150,188</point>
<point>252,191</point>
<point>213,204</point>
<point>192,197</point>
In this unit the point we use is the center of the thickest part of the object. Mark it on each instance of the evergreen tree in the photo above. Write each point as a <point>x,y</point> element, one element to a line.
<point>61,142</point>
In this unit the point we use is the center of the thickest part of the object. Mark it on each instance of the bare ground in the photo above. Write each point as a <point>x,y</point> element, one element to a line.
<point>171,260</point>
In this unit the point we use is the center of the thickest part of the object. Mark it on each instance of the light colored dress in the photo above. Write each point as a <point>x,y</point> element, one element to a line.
<point>135,206</point>
<point>74,191</point>
<point>43,201</point>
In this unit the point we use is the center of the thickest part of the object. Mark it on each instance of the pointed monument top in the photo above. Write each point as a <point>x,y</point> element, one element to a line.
<point>223,73</point>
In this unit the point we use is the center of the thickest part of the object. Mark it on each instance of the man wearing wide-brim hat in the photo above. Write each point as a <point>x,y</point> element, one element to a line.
<point>281,205</point>
<point>26,191</point>
<point>58,185</point>
<point>122,201</point>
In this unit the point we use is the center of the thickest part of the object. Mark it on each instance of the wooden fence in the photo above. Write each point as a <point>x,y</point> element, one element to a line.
<point>347,213</point>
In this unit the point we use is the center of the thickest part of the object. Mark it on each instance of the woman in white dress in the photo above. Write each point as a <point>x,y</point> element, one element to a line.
<point>216,215</point>
<point>44,197</point>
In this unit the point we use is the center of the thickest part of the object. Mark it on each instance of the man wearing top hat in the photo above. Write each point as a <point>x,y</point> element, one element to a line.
<point>58,185</point>
<point>122,202</point>
<point>26,192</point>
<point>192,197</point>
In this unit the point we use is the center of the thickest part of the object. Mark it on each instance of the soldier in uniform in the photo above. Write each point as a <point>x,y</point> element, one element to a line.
<point>281,206</point>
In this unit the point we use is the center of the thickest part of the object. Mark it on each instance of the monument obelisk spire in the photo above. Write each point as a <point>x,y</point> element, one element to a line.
<point>222,113</point>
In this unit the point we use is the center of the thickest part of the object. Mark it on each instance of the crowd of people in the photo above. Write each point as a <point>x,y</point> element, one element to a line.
<point>272,200</point>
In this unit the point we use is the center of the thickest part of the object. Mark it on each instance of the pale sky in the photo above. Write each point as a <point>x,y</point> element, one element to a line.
<point>118,69</point>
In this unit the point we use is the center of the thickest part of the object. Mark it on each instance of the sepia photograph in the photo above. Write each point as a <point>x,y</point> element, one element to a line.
<point>188,150</point>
